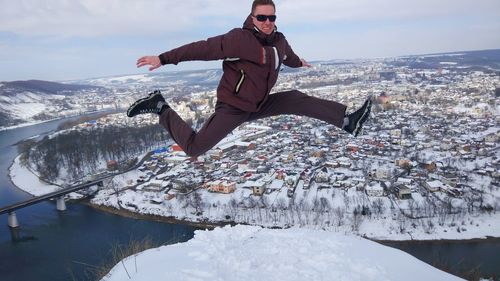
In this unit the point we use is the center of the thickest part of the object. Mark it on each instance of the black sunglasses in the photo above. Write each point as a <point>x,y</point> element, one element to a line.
<point>263,18</point>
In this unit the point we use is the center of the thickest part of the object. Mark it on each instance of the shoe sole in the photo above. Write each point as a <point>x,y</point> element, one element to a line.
<point>364,117</point>
<point>150,95</point>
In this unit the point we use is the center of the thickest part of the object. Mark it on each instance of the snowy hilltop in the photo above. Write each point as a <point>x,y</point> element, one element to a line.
<point>255,253</point>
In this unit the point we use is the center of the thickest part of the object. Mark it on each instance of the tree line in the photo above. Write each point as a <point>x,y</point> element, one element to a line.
<point>75,153</point>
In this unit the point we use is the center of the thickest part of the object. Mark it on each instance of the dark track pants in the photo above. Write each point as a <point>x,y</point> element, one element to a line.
<point>226,118</point>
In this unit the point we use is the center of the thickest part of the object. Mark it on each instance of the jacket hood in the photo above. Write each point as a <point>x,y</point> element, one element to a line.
<point>265,39</point>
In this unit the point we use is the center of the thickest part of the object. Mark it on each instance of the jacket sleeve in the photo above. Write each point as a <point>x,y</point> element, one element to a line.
<point>291,59</point>
<point>234,44</point>
<point>209,49</point>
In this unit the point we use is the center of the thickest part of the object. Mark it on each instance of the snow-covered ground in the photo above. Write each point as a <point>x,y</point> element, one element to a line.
<point>216,207</point>
<point>28,181</point>
<point>255,253</point>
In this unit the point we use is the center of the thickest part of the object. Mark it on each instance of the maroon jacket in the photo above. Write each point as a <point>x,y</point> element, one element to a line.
<point>252,61</point>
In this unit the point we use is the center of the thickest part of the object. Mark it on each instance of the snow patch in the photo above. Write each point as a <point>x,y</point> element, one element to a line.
<point>254,253</point>
<point>24,179</point>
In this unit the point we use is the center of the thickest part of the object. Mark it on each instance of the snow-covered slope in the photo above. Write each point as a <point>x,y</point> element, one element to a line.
<point>204,77</point>
<point>24,102</point>
<point>254,253</point>
<point>25,105</point>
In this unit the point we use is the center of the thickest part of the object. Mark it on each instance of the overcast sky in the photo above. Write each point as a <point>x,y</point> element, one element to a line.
<point>72,39</point>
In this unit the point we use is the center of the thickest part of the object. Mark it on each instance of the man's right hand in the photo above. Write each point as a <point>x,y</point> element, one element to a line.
<point>153,61</point>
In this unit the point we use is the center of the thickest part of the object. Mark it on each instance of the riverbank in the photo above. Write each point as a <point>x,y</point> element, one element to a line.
<point>138,205</point>
<point>212,225</point>
<point>171,220</point>
<point>28,124</point>
<point>25,180</point>
<point>32,123</point>
<point>61,246</point>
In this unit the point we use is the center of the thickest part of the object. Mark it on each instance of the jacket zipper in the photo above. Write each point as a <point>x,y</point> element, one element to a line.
<point>240,81</point>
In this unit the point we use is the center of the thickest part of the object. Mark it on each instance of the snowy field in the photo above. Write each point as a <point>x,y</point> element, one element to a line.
<point>253,253</point>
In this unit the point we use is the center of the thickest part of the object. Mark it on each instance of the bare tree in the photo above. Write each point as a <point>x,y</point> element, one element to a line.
<point>196,202</point>
<point>378,207</point>
<point>357,219</point>
<point>402,220</point>
<point>233,208</point>
<point>339,214</point>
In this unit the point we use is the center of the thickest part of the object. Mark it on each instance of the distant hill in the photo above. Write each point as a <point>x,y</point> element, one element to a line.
<point>484,60</point>
<point>41,86</point>
<point>37,100</point>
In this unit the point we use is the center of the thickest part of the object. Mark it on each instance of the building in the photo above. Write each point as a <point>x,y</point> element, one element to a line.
<point>176,148</point>
<point>403,163</point>
<point>221,186</point>
<point>405,181</point>
<point>380,173</point>
<point>344,162</point>
<point>177,159</point>
<point>491,138</point>
<point>112,165</point>
<point>374,189</point>
<point>155,185</point>
<point>258,189</point>
<point>450,179</point>
<point>433,186</point>
<point>404,192</point>
<point>429,167</point>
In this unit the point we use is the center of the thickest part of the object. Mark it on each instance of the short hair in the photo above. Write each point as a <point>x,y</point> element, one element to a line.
<point>262,3</point>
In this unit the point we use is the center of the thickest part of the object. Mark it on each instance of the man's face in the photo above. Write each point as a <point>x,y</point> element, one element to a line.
<point>265,26</point>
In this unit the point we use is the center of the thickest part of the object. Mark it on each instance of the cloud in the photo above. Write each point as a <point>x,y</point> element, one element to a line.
<point>394,40</point>
<point>89,18</point>
<point>87,38</point>
<point>368,10</point>
<point>92,18</point>
<point>384,28</point>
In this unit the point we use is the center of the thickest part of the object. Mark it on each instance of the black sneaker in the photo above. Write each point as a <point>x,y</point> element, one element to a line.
<point>358,118</point>
<point>153,103</point>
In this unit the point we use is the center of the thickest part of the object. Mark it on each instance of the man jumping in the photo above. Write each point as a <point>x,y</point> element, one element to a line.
<point>252,56</point>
